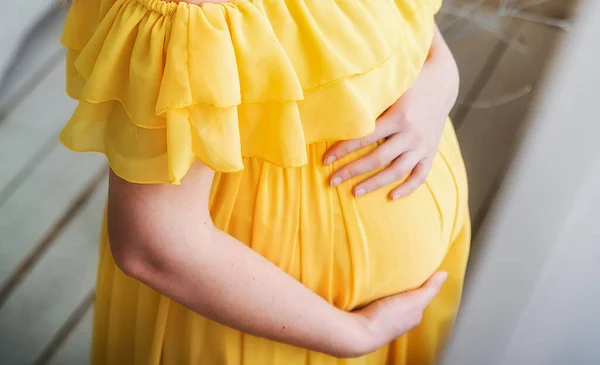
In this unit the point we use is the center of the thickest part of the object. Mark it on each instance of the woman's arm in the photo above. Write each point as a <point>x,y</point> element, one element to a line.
<point>163,236</point>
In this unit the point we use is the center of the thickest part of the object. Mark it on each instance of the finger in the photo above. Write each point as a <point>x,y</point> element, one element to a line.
<point>428,291</point>
<point>384,128</point>
<point>376,159</point>
<point>397,170</point>
<point>415,180</point>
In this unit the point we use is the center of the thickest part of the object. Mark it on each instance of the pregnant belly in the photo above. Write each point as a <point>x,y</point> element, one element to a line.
<point>349,251</point>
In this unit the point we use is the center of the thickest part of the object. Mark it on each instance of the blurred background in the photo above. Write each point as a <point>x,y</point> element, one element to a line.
<point>524,82</point>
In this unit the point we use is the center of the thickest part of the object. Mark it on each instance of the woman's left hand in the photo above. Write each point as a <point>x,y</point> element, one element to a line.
<point>412,130</point>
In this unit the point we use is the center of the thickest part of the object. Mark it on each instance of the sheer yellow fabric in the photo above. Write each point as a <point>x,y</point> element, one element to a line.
<point>162,84</point>
<point>258,90</point>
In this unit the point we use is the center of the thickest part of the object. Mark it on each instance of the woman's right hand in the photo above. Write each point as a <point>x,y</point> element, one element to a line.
<point>389,318</point>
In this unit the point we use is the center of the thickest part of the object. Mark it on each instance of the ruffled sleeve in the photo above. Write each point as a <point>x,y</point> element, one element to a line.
<point>161,85</point>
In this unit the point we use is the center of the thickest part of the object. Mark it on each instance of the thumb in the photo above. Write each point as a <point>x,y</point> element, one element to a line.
<point>430,289</point>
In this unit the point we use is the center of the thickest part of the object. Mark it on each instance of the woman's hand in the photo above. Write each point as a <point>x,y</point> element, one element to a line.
<point>389,318</point>
<point>412,130</point>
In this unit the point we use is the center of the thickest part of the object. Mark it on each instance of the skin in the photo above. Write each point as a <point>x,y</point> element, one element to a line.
<point>163,236</point>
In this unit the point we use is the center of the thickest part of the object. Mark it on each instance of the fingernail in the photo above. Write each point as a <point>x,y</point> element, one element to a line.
<point>396,196</point>
<point>329,160</point>
<point>335,182</point>
<point>360,192</point>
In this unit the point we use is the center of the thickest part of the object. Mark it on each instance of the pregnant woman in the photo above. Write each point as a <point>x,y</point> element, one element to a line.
<point>285,187</point>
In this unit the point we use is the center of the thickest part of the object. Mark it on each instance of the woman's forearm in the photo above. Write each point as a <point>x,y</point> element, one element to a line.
<point>227,282</point>
<point>164,237</point>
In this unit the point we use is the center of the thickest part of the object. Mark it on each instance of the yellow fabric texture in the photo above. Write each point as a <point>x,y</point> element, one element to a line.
<point>258,90</point>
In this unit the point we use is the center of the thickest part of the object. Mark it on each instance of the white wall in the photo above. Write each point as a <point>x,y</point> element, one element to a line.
<point>533,294</point>
<point>561,323</point>
<point>17,18</point>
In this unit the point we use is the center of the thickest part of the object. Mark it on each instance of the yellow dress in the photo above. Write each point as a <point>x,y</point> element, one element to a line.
<point>258,90</point>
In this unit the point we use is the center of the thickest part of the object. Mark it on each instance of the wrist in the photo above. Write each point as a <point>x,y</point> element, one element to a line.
<point>359,336</point>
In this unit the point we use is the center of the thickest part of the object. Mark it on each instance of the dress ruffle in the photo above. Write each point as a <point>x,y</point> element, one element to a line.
<point>162,84</point>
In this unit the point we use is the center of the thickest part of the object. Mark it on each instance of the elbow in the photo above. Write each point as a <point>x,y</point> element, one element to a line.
<point>129,262</point>
<point>131,259</point>
<point>134,248</point>
<point>150,252</point>
<point>148,256</point>
<point>134,254</point>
